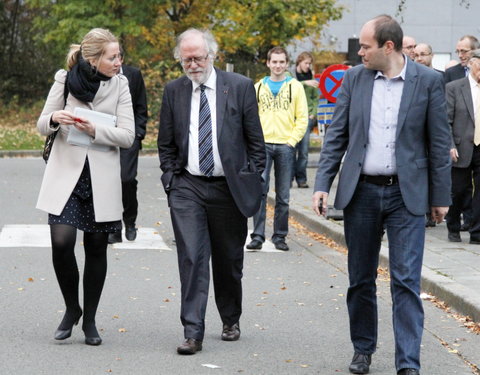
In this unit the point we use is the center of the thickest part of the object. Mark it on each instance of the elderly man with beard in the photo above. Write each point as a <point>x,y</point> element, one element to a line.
<point>212,155</point>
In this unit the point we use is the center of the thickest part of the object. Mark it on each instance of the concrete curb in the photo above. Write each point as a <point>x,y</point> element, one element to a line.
<point>38,153</point>
<point>453,294</point>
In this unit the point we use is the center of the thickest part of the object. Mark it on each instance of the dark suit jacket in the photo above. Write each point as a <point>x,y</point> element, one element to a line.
<point>462,120</point>
<point>455,72</point>
<point>239,136</point>
<point>422,138</point>
<point>139,99</point>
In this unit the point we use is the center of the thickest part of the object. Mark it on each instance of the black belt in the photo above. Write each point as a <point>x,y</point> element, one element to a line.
<point>206,178</point>
<point>379,180</point>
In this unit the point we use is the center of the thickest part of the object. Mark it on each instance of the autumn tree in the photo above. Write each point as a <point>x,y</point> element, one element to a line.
<point>245,29</point>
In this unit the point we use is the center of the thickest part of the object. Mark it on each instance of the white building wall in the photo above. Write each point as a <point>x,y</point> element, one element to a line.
<point>439,23</point>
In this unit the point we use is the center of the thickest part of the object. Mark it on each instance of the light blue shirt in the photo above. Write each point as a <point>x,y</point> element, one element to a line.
<point>386,98</point>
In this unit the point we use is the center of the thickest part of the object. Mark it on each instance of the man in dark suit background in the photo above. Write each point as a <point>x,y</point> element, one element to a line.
<point>465,45</point>
<point>391,117</point>
<point>463,105</point>
<point>212,155</point>
<point>129,156</point>
<point>423,54</point>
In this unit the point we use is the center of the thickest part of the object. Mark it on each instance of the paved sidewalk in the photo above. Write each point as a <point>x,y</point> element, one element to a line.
<point>451,271</point>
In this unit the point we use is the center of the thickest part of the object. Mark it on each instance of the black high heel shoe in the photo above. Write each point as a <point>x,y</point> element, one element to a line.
<point>91,335</point>
<point>64,330</point>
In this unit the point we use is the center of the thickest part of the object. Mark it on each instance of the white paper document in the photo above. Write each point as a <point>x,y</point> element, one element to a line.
<point>79,138</point>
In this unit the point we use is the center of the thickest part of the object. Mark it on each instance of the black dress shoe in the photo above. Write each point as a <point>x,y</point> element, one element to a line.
<point>114,237</point>
<point>454,237</point>
<point>360,363</point>
<point>281,245</point>
<point>131,232</point>
<point>408,371</point>
<point>475,241</point>
<point>430,223</point>
<point>231,333</point>
<point>255,245</point>
<point>64,330</point>
<point>91,334</point>
<point>190,346</point>
<point>465,227</point>
<point>302,185</point>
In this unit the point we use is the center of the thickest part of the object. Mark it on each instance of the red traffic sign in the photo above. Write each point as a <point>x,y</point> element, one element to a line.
<point>331,80</point>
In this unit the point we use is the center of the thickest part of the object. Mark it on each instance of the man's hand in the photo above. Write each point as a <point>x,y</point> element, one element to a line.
<point>454,154</point>
<point>316,198</point>
<point>438,213</point>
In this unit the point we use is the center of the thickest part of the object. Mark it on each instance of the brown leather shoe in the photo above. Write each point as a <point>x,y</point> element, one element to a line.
<point>231,333</point>
<point>190,346</point>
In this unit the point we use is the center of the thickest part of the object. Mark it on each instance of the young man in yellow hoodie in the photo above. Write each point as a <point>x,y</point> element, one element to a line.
<point>283,113</point>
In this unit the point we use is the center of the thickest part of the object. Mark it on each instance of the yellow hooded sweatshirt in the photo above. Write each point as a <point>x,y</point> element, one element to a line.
<point>284,117</point>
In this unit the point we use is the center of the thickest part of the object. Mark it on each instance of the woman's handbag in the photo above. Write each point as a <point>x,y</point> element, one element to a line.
<point>47,148</point>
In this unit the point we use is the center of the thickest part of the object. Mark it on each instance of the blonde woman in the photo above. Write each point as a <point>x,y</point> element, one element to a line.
<point>81,187</point>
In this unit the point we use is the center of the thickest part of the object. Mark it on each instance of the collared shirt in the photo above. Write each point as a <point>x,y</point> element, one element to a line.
<point>386,98</point>
<point>193,165</point>
<point>475,90</point>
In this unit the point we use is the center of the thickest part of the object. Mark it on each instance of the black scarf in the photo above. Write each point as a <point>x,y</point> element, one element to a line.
<point>304,76</point>
<point>84,81</point>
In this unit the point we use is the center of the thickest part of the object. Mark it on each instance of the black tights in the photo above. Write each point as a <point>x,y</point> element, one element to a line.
<point>63,244</point>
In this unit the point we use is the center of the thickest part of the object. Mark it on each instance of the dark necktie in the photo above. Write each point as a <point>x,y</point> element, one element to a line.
<point>205,150</point>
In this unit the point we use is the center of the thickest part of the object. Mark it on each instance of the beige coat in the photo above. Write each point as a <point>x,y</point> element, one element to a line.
<point>66,161</point>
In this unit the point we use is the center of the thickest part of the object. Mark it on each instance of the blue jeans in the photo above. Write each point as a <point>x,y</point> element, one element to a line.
<point>281,155</point>
<point>372,210</point>
<point>300,158</point>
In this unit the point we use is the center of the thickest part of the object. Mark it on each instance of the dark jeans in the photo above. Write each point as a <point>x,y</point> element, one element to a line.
<point>372,210</point>
<point>300,158</point>
<point>281,155</point>
<point>461,180</point>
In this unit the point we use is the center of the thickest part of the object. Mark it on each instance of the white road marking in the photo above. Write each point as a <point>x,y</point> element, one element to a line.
<point>26,235</point>
<point>268,246</point>
<point>38,235</point>
<point>147,238</point>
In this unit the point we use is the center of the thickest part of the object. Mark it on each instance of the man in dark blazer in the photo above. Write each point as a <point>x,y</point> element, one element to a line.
<point>212,155</point>
<point>390,122</point>
<point>463,106</point>
<point>465,45</point>
<point>129,156</point>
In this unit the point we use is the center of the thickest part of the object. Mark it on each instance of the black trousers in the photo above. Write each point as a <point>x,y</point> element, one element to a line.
<point>461,180</point>
<point>207,223</point>
<point>129,167</point>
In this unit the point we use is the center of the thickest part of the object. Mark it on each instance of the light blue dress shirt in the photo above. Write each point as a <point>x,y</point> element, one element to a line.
<point>386,98</point>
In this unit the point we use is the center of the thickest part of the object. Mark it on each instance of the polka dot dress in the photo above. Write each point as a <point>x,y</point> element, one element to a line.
<point>79,212</point>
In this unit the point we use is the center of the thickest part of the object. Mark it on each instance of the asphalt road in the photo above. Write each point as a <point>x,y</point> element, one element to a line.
<point>294,319</point>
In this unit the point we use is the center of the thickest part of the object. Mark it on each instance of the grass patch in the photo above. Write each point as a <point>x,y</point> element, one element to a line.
<point>18,128</point>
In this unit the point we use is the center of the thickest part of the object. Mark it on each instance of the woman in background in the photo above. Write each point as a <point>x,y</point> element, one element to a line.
<point>81,187</point>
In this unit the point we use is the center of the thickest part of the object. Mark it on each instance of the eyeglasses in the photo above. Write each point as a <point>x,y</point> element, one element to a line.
<point>423,54</point>
<point>197,60</point>
<point>462,51</point>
